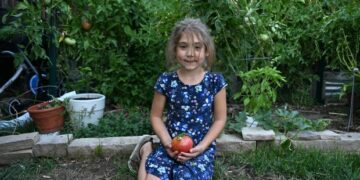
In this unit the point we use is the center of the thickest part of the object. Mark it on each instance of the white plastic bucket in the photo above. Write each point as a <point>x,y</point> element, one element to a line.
<point>86,108</point>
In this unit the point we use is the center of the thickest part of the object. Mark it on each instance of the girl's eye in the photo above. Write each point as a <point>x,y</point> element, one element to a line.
<point>197,47</point>
<point>182,46</point>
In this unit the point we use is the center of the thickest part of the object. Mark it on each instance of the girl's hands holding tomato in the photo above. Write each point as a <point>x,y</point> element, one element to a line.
<point>194,152</point>
<point>182,147</point>
<point>170,152</point>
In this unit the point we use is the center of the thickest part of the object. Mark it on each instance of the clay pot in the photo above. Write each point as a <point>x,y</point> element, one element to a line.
<point>47,120</point>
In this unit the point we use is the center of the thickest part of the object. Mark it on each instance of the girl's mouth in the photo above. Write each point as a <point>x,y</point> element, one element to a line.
<point>190,61</point>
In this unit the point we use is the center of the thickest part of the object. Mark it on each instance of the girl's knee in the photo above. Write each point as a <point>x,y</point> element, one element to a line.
<point>151,177</point>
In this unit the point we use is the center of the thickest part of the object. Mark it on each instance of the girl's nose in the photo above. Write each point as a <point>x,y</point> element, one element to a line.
<point>190,51</point>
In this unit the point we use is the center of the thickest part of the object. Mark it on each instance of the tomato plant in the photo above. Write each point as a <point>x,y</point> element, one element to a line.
<point>182,143</point>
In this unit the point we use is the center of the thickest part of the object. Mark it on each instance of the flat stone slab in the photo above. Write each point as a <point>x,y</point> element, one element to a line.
<point>350,142</point>
<point>328,135</point>
<point>12,157</point>
<point>317,144</point>
<point>18,142</point>
<point>231,143</point>
<point>304,135</point>
<point>52,145</point>
<point>86,147</point>
<point>346,143</point>
<point>314,135</point>
<point>257,134</point>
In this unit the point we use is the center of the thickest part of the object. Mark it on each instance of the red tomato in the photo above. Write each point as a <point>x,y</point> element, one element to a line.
<point>85,24</point>
<point>182,143</point>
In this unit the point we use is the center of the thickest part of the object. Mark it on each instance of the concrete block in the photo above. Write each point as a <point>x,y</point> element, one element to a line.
<point>52,145</point>
<point>304,135</point>
<point>86,147</point>
<point>12,157</point>
<point>317,144</point>
<point>231,143</point>
<point>18,142</point>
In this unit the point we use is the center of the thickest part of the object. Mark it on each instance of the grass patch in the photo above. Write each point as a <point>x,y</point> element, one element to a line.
<point>27,169</point>
<point>300,163</point>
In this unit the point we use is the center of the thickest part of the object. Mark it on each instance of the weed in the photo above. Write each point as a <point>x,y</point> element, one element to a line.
<point>99,151</point>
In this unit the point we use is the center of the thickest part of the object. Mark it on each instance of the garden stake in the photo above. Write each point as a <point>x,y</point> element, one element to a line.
<point>350,122</point>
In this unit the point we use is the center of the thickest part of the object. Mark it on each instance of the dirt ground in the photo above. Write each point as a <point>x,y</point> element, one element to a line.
<point>97,168</point>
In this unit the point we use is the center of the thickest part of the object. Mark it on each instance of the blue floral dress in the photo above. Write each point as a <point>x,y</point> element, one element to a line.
<point>189,110</point>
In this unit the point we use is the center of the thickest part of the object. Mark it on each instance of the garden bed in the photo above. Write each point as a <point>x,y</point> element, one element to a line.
<point>266,163</point>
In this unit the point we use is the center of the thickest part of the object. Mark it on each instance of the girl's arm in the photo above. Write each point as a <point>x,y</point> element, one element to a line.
<point>157,123</point>
<point>219,120</point>
<point>215,130</point>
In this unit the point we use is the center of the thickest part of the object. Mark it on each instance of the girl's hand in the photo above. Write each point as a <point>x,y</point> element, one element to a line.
<point>194,152</point>
<point>171,153</point>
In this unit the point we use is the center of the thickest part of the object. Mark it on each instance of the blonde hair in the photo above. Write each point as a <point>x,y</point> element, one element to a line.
<point>190,26</point>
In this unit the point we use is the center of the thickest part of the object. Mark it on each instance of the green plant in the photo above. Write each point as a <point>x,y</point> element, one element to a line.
<point>53,103</point>
<point>99,151</point>
<point>258,91</point>
<point>127,122</point>
<point>122,53</point>
<point>237,123</point>
<point>284,120</point>
<point>32,20</point>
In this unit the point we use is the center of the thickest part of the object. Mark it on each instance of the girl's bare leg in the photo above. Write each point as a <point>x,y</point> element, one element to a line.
<point>144,153</point>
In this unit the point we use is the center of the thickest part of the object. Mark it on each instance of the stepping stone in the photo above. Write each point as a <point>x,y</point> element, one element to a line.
<point>52,145</point>
<point>257,134</point>
<point>18,142</point>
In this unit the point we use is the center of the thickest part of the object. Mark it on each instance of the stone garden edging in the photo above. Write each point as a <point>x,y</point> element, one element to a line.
<point>18,147</point>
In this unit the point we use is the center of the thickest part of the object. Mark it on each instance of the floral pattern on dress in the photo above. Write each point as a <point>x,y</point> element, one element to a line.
<point>190,110</point>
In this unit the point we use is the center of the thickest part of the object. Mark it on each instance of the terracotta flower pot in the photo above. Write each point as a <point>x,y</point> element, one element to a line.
<point>47,120</point>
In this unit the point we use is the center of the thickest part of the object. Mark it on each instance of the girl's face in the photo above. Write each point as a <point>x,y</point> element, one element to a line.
<point>190,52</point>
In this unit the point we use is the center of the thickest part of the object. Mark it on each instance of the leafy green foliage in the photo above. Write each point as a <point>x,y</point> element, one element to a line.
<point>297,37</point>
<point>258,91</point>
<point>118,56</point>
<point>235,124</point>
<point>129,122</point>
<point>284,120</point>
<point>280,120</point>
<point>27,20</point>
<point>123,52</point>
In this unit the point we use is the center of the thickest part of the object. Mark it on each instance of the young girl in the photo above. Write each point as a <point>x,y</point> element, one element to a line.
<point>195,102</point>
